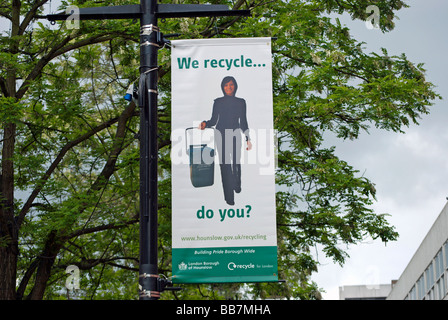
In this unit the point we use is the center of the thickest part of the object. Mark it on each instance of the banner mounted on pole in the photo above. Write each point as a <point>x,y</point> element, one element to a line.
<point>223,161</point>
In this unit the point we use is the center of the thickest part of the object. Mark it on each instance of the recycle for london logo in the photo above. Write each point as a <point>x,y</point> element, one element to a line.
<point>232,266</point>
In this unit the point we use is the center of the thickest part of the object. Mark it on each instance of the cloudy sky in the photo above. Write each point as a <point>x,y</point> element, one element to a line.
<point>409,170</point>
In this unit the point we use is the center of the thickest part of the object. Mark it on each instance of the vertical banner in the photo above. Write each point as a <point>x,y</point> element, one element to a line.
<point>223,161</point>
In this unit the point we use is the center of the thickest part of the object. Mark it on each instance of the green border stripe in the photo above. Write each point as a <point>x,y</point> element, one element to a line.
<point>225,264</point>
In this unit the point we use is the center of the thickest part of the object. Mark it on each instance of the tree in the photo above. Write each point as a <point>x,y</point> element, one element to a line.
<point>69,165</point>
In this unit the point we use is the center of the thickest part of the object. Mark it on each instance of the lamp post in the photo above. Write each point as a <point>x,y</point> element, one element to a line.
<point>151,39</point>
<point>149,281</point>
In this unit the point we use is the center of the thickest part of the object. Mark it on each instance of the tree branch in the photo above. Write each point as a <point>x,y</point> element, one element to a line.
<point>56,239</point>
<point>110,226</point>
<point>30,15</point>
<point>26,207</point>
<point>63,47</point>
<point>348,73</point>
<point>86,264</point>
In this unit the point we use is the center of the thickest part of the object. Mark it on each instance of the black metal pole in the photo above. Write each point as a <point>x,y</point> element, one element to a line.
<point>150,41</point>
<point>148,278</point>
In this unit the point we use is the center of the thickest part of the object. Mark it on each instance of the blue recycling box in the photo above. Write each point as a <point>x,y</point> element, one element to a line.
<point>202,163</point>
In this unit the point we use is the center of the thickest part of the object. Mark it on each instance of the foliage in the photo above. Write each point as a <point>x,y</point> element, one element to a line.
<point>70,151</point>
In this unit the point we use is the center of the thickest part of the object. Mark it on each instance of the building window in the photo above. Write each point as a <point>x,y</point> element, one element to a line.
<point>429,275</point>
<point>439,264</point>
<point>413,294</point>
<point>442,283</point>
<point>440,288</point>
<point>446,255</point>
<point>421,288</point>
<point>445,286</point>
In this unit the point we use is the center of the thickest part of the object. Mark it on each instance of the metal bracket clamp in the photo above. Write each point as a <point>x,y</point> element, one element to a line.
<point>147,30</point>
<point>149,294</point>
<point>146,275</point>
<point>163,284</point>
<point>147,43</point>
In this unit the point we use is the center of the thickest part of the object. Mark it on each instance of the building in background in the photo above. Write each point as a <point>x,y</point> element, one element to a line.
<point>365,292</point>
<point>426,275</point>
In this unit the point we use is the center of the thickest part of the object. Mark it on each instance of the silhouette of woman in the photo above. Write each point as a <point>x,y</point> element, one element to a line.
<point>229,119</point>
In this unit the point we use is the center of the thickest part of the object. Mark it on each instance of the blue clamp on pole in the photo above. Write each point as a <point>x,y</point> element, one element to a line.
<point>129,92</point>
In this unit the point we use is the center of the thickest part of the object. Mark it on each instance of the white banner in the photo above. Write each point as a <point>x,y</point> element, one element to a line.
<point>223,161</point>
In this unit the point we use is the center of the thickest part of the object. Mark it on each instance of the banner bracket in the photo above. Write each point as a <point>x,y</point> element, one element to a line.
<point>163,284</point>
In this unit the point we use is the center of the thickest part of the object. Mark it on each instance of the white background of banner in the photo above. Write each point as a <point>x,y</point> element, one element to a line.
<point>193,93</point>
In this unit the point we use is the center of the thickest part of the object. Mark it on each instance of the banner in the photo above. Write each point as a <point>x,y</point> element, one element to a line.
<point>223,161</point>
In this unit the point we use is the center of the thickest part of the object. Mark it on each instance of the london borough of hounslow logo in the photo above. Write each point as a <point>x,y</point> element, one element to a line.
<point>182,266</point>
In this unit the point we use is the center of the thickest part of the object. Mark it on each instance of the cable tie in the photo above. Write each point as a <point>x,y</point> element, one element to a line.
<point>147,43</point>
<point>150,70</point>
<point>150,294</point>
<point>146,275</point>
<point>148,29</point>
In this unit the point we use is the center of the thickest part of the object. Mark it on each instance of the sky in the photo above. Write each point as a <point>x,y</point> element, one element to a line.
<point>409,170</point>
